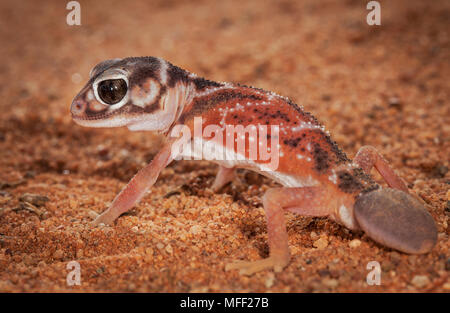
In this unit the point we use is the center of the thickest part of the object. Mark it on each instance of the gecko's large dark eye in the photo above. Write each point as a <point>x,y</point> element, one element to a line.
<point>112,91</point>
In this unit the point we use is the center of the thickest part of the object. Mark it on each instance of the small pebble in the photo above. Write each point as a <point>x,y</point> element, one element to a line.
<point>27,259</point>
<point>320,243</point>
<point>269,280</point>
<point>355,243</point>
<point>160,245</point>
<point>395,257</point>
<point>29,174</point>
<point>394,102</point>
<point>34,199</point>
<point>412,259</point>
<point>387,266</point>
<point>169,249</point>
<point>27,207</point>
<point>4,193</point>
<point>58,254</point>
<point>330,282</point>
<point>199,290</point>
<point>80,253</point>
<point>195,229</point>
<point>420,281</point>
<point>73,204</point>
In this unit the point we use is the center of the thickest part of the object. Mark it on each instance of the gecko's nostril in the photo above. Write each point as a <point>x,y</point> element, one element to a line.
<point>77,107</point>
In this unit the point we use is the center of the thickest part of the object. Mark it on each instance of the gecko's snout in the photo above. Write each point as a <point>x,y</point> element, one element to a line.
<point>396,219</point>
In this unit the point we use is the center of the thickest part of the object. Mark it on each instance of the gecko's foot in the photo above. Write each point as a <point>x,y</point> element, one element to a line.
<point>217,185</point>
<point>224,176</point>
<point>249,268</point>
<point>103,218</point>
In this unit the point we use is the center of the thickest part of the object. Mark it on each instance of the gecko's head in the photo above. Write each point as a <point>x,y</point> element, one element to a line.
<point>129,92</point>
<point>396,219</point>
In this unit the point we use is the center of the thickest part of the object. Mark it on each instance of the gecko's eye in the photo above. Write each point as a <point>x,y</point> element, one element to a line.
<point>111,91</point>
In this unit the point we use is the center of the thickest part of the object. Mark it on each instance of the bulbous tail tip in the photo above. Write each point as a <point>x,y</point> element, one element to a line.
<point>396,219</point>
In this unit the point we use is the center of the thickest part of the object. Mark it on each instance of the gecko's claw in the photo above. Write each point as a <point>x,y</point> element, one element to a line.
<point>250,267</point>
<point>397,220</point>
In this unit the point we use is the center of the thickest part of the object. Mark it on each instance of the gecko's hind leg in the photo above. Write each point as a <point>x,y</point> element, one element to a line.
<point>311,201</point>
<point>224,176</point>
<point>368,157</point>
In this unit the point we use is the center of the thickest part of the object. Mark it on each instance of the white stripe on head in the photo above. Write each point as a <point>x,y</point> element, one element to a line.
<point>146,95</point>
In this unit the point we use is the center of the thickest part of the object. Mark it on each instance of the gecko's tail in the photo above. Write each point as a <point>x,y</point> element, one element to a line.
<point>396,219</point>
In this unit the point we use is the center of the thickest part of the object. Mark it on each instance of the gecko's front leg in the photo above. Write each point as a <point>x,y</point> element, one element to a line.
<point>138,185</point>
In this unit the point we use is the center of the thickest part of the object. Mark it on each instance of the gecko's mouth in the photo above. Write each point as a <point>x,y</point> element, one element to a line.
<point>100,121</point>
<point>89,118</point>
<point>396,219</point>
<point>83,115</point>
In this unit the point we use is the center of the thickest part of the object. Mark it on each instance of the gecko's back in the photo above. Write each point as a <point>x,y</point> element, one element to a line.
<point>307,154</point>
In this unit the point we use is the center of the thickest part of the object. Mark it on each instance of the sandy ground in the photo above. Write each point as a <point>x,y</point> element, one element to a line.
<point>387,86</point>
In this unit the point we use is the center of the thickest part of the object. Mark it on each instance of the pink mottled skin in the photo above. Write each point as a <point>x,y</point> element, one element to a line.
<point>318,179</point>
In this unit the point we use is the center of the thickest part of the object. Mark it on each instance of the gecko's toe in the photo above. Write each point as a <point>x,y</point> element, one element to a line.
<point>250,267</point>
<point>104,219</point>
<point>397,220</point>
<point>216,186</point>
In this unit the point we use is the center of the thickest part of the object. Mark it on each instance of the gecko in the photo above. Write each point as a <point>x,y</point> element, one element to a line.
<point>316,176</point>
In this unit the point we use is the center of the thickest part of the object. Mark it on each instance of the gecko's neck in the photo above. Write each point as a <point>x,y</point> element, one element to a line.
<point>187,88</point>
